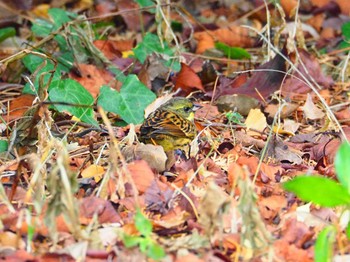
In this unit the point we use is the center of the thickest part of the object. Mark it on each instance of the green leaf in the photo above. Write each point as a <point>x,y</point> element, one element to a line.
<point>42,28</point>
<point>232,52</point>
<point>151,44</point>
<point>70,91</point>
<point>3,145</point>
<point>131,241</point>
<point>319,190</point>
<point>130,102</point>
<point>342,165</point>
<point>7,32</point>
<point>144,244</point>
<point>60,16</point>
<point>143,225</point>
<point>324,244</point>
<point>347,230</point>
<point>155,251</point>
<point>345,29</point>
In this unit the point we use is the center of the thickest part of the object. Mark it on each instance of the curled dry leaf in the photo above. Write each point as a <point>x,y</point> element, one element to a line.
<point>255,120</point>
<point>237,102</point>
<point>94,171</point>
<point>153,155</point>
<point>187,80</point>
<point>18,107</point>
<point>311,111</point>
<point>141,174</point>
<point>92,78</point>
<point>232,36</point>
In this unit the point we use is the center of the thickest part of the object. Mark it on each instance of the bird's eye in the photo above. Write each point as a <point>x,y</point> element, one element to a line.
<point>187,109</point>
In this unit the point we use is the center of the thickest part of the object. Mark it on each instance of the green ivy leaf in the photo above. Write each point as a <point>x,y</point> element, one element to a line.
<point>155,251</point>
<point>143,225</point>
<point>70,91</point>
<point>319,190</point>
<point>3,145</point>
<point>32,62</point>
<point>324,244</point>
<point>147,3</point>
<point>232,52</point>
<point>7,32</point>
<point>42,27</point>
<point>60,16</point>
<point>345,29</point>
<point>131,241</point>
<point>151,44</point>
<point>342,165</point>
<point>130,102</point>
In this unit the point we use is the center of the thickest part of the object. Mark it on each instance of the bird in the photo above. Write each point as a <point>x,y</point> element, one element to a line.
<point>171,125</point>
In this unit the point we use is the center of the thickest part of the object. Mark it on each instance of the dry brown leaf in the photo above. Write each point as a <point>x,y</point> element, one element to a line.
<point>289,6</point>
<point>187,80</point>
<point>93,78</point>
<point>255,120</point>
<point>94,171</point>
<point>141,174</point>
<point>344,6</point>
<point>311,111</point>
<point>232,36</point>
<point>18,107</point>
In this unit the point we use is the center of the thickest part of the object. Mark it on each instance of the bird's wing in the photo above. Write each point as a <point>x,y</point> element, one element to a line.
<point>167,123</point>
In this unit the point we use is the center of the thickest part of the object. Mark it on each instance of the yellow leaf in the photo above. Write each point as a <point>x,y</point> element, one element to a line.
<point>256,120</point>
<point>94,171</point>
<point>126,54</point>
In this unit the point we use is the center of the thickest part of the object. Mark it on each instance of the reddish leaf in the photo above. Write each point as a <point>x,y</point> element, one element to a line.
<point>188,80</point>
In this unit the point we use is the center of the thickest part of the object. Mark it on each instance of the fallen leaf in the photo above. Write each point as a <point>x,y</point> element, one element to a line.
<point>93,78</point>
<point>311,111</point>
<point>18,107</point>
<point>237,103</point>
<point>142,175</point>
<point>94,171</point>
<point>187,80</point>
<point>256,120</point>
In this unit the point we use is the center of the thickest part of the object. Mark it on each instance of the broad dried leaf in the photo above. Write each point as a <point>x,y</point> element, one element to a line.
<point>187,80</point>
<point>141,174</point>
<point>93,78</point>
<point>311,111</point>
<point>256,120</point>
<point>94,171</point>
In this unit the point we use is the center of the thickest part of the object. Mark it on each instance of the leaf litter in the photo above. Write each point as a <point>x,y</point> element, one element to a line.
<point>74,176</point>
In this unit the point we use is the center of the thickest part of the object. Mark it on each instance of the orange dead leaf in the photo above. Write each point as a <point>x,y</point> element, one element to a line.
<point>141,174</point>
<point>94,171</point>
<point>205,42</point>
<point>289,6</point>
<point>317,21</point>
<point>188,80</point>
<point>344,6</point>
<point>92,78</point>
<point>113,49</point>
<point>255,120</point>
<point>232,36</point>
<point>320,3</point>
<point>234,172</point>
<point>19,106</point>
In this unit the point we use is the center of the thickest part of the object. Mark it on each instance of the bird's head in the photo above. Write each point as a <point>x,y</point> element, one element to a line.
<point>181,106</point>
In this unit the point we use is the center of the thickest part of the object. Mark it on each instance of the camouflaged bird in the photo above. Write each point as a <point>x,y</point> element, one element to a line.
<point>171,125</point>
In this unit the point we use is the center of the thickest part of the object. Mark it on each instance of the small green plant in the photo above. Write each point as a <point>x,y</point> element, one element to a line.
<point>345,29</point>
<point>144,241</point>
<point>232,52</point>
<point>327,193</point>
<point>75,47</point>
<point>234,117</point>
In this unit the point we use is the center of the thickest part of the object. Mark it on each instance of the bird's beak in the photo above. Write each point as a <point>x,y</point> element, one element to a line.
<point>196,107</point>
